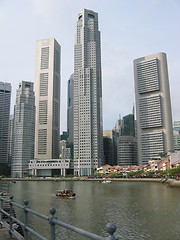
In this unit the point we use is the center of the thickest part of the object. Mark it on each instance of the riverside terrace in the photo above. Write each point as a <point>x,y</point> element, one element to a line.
<point>10,223</point>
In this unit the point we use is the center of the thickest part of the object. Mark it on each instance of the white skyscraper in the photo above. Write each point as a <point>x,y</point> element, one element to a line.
<point>47,92</point>
<point>153,107</point>
<point>24,129</point>
<point>5,102</point>
<point>87,95</point>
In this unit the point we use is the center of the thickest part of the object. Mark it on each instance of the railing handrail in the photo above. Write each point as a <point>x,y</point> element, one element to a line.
<point>52,220</point>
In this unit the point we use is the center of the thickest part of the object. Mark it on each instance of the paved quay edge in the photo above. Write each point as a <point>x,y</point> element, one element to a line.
<point>169,182</point>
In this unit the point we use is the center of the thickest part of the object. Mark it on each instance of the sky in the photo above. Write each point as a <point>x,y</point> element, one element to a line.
<point>129,29</point>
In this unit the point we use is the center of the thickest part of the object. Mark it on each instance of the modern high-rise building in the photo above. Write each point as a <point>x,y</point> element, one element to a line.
<point>153,107</point>
<point>126,150</point>
<point>10,139</point>
<point>176,134</point>
<point>5,102</point>
<point>127,143</point>
<point>47,92</point>
<point>87,95</point>
<point>128,125</point>
<point>70,110</point>
<point>108,145</point>
<point>24,129</point>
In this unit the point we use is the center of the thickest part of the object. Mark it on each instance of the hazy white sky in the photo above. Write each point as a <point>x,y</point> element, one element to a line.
<point>129,29</point>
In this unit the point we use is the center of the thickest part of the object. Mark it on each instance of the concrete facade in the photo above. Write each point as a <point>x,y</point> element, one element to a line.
<point>87,95</point>
<point>45,168</point>
<point>153,107</point>
<point>47,92</point>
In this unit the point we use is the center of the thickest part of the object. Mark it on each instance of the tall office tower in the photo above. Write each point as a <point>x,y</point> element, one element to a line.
<point>153,107</point>
<point>70,110</point>
<point>24,129</point>
<point>87,95</point>
<point>10,139</point>
<point>47,92</point>
<point>5,102</point>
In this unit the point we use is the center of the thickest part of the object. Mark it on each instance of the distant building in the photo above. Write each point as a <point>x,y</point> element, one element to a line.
<point>5,102</point>
<point>49,167</point>
<point>176,125</point>
<point>47,91</point>
<point>65,152</point>
<point>153,107</point>
<point>116,133</point>
<point>108,147</point>
<point>64,136</point>
<point>127,150</point>
<point>87,95</point>
<point>24,129</point>
<point>70,110</point>
<point>128,125</point>
<point>10,139</point>
<point>176,135</point>
<point>127,143</point>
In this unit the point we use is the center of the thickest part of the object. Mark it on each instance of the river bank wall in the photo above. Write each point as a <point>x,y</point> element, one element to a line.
<point>168,182</point>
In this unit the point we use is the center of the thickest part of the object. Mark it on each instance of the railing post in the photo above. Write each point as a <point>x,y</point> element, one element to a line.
<point>10,216</point>
<point>110,229</point>
<point>53,233</point>
<point>25,219</point>
<point>1,207</point>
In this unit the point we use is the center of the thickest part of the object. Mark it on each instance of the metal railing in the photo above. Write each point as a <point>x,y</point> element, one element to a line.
<point>12,221</point>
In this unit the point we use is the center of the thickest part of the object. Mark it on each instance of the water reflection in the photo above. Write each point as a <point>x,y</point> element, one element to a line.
<point>140,210</point>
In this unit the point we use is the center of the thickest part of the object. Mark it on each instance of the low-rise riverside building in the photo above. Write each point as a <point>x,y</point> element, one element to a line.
<point>49,167</point>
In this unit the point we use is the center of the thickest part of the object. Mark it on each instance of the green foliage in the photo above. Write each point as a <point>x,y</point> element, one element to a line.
<point>116,175</point>
<point>97,174</point>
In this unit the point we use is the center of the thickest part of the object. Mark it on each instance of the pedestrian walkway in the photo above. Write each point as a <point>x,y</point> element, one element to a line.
<point>4,235</point>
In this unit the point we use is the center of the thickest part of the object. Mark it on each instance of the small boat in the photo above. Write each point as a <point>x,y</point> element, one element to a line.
<point>65,193</point>
<point>106,181</point>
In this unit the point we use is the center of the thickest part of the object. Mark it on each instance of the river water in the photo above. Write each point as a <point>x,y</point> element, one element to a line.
<point>140,210</point>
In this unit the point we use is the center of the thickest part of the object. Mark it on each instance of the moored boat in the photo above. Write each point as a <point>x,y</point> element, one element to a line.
<point>106,181</point>
<point>65,193</point>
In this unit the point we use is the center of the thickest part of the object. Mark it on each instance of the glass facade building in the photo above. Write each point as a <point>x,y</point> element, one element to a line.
<point>5,102</point>
<point>87,95</point>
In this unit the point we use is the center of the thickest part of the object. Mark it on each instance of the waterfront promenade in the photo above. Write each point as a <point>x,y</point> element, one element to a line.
<point>169,182</point>
<point>4,235</point>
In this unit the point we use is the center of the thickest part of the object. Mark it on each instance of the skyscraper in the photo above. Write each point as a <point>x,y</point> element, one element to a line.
<point>153,107</point>
<point>108,147</point>
<point>70,110</point>
<point>24,129</point>
<point>87,95</point>
<point>10,139</point>
<point>5,102</point>
<point>128,125</point>
<point>127,143</point>
<point>47,92</point>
